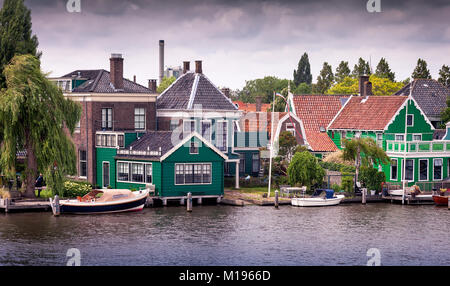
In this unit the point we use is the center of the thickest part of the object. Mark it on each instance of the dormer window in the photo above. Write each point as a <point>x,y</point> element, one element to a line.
<point>193,148</point>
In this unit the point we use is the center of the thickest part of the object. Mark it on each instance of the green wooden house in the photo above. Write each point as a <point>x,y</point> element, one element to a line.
<point>173,164</point>
<point>421,159</point>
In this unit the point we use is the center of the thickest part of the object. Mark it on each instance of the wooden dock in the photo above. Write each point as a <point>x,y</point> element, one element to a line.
<point>13,205</point>
<point>409,200</point>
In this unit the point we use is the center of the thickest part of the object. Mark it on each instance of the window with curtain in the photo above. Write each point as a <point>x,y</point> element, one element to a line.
<point>437,169</point>
<point>123,172</point>
<point>139,118</point>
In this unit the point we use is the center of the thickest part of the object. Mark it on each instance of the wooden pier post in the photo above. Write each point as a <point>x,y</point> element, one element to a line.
<point>276,198</point>
<point>364,194</point>
<point>7,202</point>
<point>219,199</point>
<point>448,203</point>
<point>164,202</point>
<point>199,201</point>
<point>182,201</point>
<point>189,202</point>
<point>55,208</point>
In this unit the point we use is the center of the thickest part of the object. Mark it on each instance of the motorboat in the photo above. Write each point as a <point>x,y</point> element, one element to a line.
<point>321,197</point>
<point>104,201</point>
<point>440,200</point>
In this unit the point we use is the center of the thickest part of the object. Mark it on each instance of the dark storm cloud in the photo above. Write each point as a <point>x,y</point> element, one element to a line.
<point>241,40</point>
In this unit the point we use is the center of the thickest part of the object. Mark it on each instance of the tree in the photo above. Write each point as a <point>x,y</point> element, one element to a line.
<point>421,70</point>
<point>305,169</point>
<point>358,148</point>
<point>264,87</point>
<point>384,71</point>
<point>444,76</point>
<point>342,71</point>
<point>325,79</point>
<point>286,145</point>
<point>303,72</point>
<point>380,86</point>
<point>33,114</point>
<point>445,115</point>
<point>165,83</point>
<point>15,34</point>
<point>362,68</point>
<point>303,88</point>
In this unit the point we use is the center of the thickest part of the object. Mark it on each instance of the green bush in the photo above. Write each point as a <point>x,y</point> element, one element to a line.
<point>347,182</point>
<point>371,178</point>
<point>336,188</point>
<point>73,189</point>
<point>337,167</point>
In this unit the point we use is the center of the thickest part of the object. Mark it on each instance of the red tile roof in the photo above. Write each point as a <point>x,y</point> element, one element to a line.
<point>260,121</point>
<point>251,107</point>
<point>317,111</point>
<point>371,113</point>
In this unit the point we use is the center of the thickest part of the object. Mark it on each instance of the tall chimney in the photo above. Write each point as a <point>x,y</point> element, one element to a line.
<point>152,85</point>
<point>134,78</point>
<point>367,88</point>
<point>362,80</point>
<point>198,67</point>
<point>116,70</point>
<point>186,67</point>
<point>226,91</point>
<point>161,60</point>
<point>258,103</point>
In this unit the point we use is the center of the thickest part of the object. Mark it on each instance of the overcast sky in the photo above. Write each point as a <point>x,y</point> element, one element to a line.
<point>240,40</point>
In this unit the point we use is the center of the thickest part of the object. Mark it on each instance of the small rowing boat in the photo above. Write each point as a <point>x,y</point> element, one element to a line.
<point>320,198</point>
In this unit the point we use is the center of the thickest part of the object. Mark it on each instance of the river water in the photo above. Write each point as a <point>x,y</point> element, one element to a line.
<point>226,235</point>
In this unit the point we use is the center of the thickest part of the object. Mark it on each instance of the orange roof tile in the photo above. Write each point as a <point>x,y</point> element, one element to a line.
<point>371,113</point>
<point>317,111</point>
<point>251,107</point>
<point>260,121</point>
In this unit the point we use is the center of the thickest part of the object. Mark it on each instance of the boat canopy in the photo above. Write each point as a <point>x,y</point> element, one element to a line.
<point>327,193</point>
<point>114,195</point>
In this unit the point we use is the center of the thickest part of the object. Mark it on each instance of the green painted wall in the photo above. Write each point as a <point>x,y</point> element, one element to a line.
<point>248,164</point>
<point>182,155</point>
<point>106,154</point>
<point>420,126</point>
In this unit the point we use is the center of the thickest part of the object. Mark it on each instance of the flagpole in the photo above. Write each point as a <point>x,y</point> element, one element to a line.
<point>271,145</point>
<point>406,144</point>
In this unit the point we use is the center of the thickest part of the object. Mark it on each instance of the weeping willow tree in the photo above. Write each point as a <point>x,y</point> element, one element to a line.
<point>364,151</point>
<point>34,116</point>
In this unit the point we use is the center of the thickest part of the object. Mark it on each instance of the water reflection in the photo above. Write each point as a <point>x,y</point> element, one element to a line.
<point>222,235</point>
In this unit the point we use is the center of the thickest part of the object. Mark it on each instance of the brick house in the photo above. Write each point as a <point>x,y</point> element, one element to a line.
<point>112,108</point>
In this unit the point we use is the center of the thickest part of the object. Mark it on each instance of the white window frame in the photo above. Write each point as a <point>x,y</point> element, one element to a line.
<point>190,130</point>
<point>416,134</point>
<point>193,172</point>
<point>404,169</point>
<point>412,125</point>
<point>428,169</point>
<point>442,169</point>
<point>226,135</point>
<point>210,129</point>
<point>103,174</point>
<point>379,139</point>
<point>392,179</point>
<point>196,145</point>
<point>130,172</point>
<point>145,118</point>
<point>79,164</point>
<point>99,143</point>
<point>400,140</point>
<point>106,118</point>
<point>290,127</point>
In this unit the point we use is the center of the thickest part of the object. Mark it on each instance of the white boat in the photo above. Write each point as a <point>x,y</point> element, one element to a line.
<point>111,201</point>
<point>396,192</point>
<point>408,194</point>
<point>320,198</point>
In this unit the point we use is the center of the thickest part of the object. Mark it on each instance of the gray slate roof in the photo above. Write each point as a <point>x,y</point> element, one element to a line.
<point>152,141</point>
<point>193,89</point>
<point>429,94</point>
<point>98,81</point>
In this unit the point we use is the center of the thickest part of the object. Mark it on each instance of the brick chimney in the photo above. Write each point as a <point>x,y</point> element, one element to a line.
<point>198,67</point>
<point>362,80</point>
<point>367,88</point>
<point>116,70</point>
<point>134,79</point>
<point>152,85</point>
<point>186,67</point>
<point>258,103</point>
<point>226,91</point>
